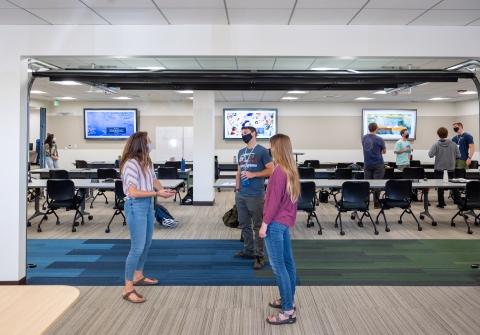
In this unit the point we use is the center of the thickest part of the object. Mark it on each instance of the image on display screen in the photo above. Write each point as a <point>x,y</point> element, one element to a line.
<point>263,119</point>
<point>109,123</point>
<point>390,122</point>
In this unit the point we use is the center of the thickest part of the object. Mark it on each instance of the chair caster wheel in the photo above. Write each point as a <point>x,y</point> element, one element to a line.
<point>342,233</point>
<point>57,223</point>
<point>91,206</point>
<point>420,228</point>
<point>400,221</point>
<point>319,232</point>
<point>470,232</point>
<point>360,224</point>
<point>76,224</point>
<point>124,223</point>
<point>387,229</point>
<point>477,223</point>
<point>465,217</point>
<point>434,223</point>
<point>106,202</point>
<point>82,223</point>
<point>74,229</point>
<point>376,232</point>
<point>39,230</point>
<point>352,217</point>
<point>422,217</point>
<point>452,224</point>
<point>29,224</point>
<point>336,225</point>
<point>107,230</point>
<point>90,217</point>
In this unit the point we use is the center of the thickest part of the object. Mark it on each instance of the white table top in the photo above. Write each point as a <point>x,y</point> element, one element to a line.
<point>87,183</point>
<point>396,170</point>
<point>87,170</point>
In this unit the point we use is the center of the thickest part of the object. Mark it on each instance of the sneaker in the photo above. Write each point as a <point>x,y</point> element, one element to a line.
<point>242,254</point>
<point>441,206</point>
<point>259,263</point>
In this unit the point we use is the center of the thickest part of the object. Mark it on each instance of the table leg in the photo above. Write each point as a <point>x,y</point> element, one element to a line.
<point>426,211</point>
<point>37,208</point>
<point>82,206</point>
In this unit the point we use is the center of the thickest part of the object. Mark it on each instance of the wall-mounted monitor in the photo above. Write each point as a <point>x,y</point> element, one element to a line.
<point>109,124</point>
<point>390,122</point>
<point>263,119</point>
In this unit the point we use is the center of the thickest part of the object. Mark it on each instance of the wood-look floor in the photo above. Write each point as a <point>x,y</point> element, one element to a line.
<point>206,223</point>
<point>241,310</point>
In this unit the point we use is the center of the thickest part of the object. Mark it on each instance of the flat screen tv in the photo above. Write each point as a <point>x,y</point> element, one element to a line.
<point>109,124</point>
<point>390,122</point>
<point>263,119</point>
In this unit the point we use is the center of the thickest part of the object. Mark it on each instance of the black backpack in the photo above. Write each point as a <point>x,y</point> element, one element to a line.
<point>230,218</point>
<point>188,198</point>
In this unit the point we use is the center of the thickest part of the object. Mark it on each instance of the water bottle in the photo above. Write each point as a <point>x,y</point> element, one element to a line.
<point>182,165</point>
<point>234,159</point>
<point>445,176</point>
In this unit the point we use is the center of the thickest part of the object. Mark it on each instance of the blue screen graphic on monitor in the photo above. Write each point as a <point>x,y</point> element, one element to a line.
<point>263,119</point>
<point>391,122</point>
<point>110,123</point>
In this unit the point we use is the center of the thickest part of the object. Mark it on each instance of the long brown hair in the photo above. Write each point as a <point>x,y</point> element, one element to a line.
<point>283,156</point>
<point>137,148</point>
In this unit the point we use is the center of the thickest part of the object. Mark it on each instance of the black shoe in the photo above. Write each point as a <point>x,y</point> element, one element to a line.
<point>259,263</point>
<point>441,206</point>
<point>242,254</point>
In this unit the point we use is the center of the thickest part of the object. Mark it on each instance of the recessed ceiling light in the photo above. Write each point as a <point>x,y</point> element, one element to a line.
<point>120,57</point>
<point>66,98</point>
<point>346,57</point>
<point>151,68</point>
<point>297,92</point>
<point>324,68</point>
<point>380,92</point>
<point>364,98</point>
<point>37,92</point>
<point>438,99</point>
<point>465,92</point>
<point>185,91</point>
<point>289,98</point>
<point>67,83</point>
<point>122,98</point>
<point>190,98</point>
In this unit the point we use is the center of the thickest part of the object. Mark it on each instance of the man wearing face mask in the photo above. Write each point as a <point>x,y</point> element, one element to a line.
<point>403,150</point>
<point>465,143</point>
<point>254,165</point>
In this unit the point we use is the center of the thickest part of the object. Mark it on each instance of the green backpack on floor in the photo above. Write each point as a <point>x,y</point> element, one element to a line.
<point>230,218</point>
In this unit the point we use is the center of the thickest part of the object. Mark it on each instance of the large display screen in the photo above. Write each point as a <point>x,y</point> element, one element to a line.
<point>109,124</point>
<point>263,119</point>
<point>390,122</point>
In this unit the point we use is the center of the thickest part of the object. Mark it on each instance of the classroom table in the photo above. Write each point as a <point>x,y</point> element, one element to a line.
<point>377,184</point>
<point>38,184</point>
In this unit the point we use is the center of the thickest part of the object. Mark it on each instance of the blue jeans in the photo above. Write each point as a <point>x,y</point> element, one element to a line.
<point>139,214</point>
<point>279,249</point>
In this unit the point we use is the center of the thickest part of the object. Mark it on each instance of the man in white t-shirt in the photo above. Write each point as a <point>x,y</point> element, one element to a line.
<point>403,150</point>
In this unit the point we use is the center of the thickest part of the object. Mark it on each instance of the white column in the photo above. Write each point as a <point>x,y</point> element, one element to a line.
<point>203,147</point>
<point>13,132</point>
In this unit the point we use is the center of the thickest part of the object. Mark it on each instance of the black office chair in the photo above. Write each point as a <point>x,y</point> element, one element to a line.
<point>468,204</point>
<point>57,174</point>
<point>306,172</point>
<point>62,194</point>
<point>80,164</point>
<point>398,194</point>
<point>175,164</point>
<point>314,163</point>
<point>474,165</point>
<point>361,164</point>
<point>389,173</point>
<point>392,164</point>
<point>119,204</point>
<point>341,173</point>
<point>415,163</point>
<point>460,173</point>
<point>414,173</point>
<point>170,173</point>
<point>355,198</point>
<point>343,165</point>
<point>104,174</point>
<point>307,202</point>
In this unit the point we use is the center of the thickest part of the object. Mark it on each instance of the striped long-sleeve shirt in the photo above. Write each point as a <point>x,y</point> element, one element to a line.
<point>134,175</point>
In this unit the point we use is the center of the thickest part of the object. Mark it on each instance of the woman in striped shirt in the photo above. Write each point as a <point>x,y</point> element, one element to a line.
<point>140,186</point>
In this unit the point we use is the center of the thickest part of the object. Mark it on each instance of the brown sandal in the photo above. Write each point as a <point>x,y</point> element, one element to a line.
<point>126,297</point>
<point>144,282</point>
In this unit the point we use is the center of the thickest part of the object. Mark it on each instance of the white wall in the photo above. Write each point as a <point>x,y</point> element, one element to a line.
<point>18,41</point>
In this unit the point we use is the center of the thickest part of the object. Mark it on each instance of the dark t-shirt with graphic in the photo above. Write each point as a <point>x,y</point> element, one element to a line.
<point>253,160</point>
<point>463,141</point>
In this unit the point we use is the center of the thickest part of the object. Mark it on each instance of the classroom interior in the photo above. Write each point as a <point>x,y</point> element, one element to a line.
<point>65,276</point>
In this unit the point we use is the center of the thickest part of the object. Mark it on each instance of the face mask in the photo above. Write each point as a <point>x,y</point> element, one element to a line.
<point>247,138</point>
<point>150,147</point>
<point>407,135</point>
<point>456,129</point>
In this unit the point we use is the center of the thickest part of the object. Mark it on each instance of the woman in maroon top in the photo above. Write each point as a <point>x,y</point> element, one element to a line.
<point>279,214</point>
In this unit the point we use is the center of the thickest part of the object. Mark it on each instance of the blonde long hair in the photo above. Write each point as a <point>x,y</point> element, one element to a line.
<point>282,154</point>
<point>137,148</point>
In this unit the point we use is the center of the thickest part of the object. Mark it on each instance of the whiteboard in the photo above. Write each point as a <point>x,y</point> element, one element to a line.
<point>173,143</point>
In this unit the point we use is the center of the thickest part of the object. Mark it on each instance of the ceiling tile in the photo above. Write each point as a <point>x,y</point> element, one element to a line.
<point>447,17</point>
<point>48,3</point>
<point>273,95</point>
<point>190,4</point>
<point>291,63</point>
<point>475,23</point>
<point>255,63</point>
<point>458,4</point>
<point>330,4</point>
<point>132,15</point>
<point>69,16</point>
<point>401,4</point>
<point>232,95</point>
<point>18,16</point>
<point>6,4</point>
<point>177,63</point>
<point>259,16</point>
<point>322,16</point>
<point>226,63</point>
<point>252,95</point>
<point>196,16</point>
<point>386,16</point>
<point>119,3</point>
<point>266,4</point>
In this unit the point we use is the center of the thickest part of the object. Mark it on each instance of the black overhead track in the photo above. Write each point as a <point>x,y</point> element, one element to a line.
<point>253,80</point>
